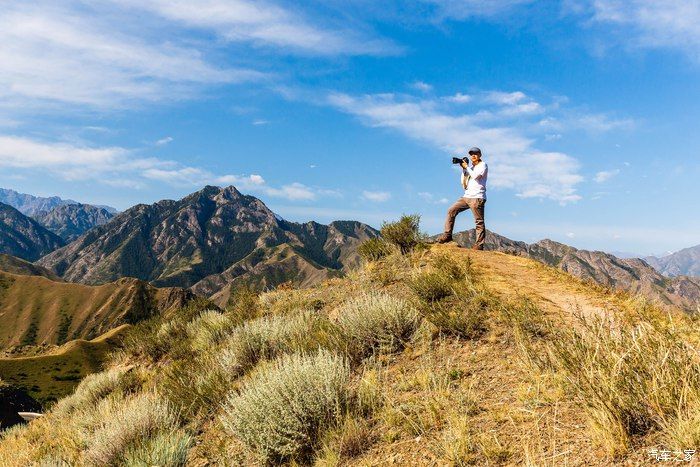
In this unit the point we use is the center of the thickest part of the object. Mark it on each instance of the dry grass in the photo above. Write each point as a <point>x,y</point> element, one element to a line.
<point>631,379</point>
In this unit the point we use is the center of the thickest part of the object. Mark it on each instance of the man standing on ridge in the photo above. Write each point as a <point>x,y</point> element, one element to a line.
<point>474,184</point>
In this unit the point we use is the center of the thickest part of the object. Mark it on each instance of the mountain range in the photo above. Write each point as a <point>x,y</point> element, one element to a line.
<point>209,241</point>
<point>685,262</point>
<point>31,205</point>
<point>632,275</point>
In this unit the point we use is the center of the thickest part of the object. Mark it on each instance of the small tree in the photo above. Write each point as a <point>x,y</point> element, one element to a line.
<point>403,233</point>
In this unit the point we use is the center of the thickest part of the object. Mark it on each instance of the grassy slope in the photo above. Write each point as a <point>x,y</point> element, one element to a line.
<point>443,399</point>
<point>52,376</point>
<point>37,311</point>
<point>16,265</point>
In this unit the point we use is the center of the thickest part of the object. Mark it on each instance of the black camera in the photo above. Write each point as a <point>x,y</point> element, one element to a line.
<point>457,160</point>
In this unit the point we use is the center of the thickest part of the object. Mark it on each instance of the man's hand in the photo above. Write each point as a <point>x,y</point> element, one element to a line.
<point>464,164</point>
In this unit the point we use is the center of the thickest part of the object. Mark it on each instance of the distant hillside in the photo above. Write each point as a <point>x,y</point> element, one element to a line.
<point>50,376</point>
<point>19,266</point>
<point>70,221</point>
<point>685,262</point>
<point>30,205</point>
<point>207,241</point>
<point>629,274</point>
<point>24,237</point>
<point>37,311</point>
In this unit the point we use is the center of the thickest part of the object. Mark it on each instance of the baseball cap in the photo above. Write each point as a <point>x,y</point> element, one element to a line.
<point>475,150</point>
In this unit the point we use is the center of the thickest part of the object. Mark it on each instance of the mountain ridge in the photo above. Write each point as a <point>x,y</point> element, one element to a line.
<point>685,262</point>
<point>23,237</point>
<point>633,275</point>
<point>207,236</point>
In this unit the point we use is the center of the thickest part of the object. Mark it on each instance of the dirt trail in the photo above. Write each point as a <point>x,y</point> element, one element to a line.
<point>515,276</point>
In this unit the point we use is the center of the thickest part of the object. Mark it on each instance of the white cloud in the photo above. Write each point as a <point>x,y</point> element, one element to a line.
<point>56,52</point>
<point>514,161</point>
<point>653,23</point>
<point>588,122</point>
<point>121,167</point>
<point>570,234</point>
<point>260,122</point>
<point>376,196</point>
<point>164,141</point>
<point>265,23</point>
<point>605,175</point>
<point>603,123</point>
<point>294,191</point>
<point>422,86</point>
<point>460,98</point>
<point>430,198</point>
<point>505,98</point>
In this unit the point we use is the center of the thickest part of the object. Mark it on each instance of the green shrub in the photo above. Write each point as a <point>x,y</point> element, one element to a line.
<point>127,428</point>
<point>244,304</point>
<point>374,321</point>
<point>374,249</point>
<point>281,412</point>
<point>462,316</point>
<point>432,286</point>
<point>404,233</point>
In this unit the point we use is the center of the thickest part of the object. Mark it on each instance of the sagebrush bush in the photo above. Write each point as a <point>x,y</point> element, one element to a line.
<point>121,427</point>
<point>208,329</point>
<point>270,336</point>
<point>282,410</point>
<point>374,249</point>
<point>168,448</point>
<point>404,233</point>
<point>90,391</point>
<point>374,321</point>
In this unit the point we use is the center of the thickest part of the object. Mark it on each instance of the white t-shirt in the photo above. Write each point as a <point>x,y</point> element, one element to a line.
<point>476,183</point>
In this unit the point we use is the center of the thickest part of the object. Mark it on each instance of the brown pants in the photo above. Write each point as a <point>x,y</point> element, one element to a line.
<point>477,207</point>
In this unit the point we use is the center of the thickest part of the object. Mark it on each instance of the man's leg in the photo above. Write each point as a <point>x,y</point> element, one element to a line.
<point>459,206</point>
<point>477,207</point>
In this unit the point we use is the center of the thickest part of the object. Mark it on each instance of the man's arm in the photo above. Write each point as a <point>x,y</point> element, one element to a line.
<point>476,172</point>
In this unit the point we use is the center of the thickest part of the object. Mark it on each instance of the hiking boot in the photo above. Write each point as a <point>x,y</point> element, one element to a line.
<point>444,238</point>
<point>478,247</point>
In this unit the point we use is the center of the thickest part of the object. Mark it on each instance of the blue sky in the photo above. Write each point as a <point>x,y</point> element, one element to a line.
<point>587,111</point>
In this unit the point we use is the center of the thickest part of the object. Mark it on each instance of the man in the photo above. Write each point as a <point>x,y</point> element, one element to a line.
<point>474,184</point>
